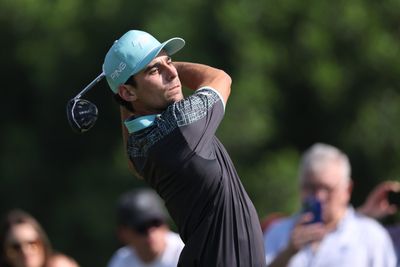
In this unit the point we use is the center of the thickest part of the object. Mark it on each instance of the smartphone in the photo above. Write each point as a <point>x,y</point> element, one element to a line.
<point>394,198</point>
<point>313,205</point>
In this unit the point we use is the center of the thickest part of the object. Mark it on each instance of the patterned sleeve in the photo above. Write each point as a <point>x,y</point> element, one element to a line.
<point>196,106</point>
<point>198,118</point>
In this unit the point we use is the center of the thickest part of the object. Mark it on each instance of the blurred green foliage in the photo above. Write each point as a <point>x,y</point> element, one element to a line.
<point>303,72</point>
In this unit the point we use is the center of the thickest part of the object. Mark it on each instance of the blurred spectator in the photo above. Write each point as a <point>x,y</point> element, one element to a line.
<point>142,228</point>
<point>378,206</point>
<point>342,237</point>
<point>23,241</point>
<point>58,259</point>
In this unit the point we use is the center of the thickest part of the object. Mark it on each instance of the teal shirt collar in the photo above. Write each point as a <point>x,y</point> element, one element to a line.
<point>136,124</point>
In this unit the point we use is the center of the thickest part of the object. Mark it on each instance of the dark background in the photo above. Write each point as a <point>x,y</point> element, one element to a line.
<point>303,72</point>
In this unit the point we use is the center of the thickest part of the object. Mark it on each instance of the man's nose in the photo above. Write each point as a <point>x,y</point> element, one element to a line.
<point>321,194</point>
<point>171,72</point>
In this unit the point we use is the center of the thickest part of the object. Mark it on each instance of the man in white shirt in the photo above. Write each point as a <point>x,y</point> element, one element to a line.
<point>143,229</point>
<point>341,236</point>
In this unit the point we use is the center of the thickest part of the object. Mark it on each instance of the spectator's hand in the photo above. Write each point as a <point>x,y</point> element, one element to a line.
<point>377,205</point>
<point>304,234</point>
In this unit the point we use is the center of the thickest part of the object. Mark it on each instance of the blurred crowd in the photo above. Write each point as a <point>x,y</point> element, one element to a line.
<point>327,231</point>
<point>142,229</point>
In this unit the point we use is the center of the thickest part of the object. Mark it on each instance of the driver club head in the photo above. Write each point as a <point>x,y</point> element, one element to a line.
<point>82,114</point>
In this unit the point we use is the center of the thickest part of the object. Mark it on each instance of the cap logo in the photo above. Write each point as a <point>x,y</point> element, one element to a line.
<point>114,75</point>
<point>134,44</point>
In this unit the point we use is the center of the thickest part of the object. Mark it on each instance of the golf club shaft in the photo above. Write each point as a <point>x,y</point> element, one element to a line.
<point>90,85</point>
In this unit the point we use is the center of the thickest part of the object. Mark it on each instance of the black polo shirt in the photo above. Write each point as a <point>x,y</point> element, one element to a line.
<point>179,155</point>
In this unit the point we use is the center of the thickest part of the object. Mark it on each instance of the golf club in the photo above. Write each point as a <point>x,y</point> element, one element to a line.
<point>81,113</point>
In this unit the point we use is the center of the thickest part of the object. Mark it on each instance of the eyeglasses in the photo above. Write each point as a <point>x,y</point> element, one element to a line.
<point>144,228</point>
<point>323,190</point>
<point>15,248</point>
<point>317,187</point>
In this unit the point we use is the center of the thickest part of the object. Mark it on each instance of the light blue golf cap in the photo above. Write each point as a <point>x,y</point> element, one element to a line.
<point>133,52</point>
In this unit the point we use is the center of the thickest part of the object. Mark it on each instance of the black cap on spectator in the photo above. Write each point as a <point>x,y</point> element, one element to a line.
<point>139,206</point>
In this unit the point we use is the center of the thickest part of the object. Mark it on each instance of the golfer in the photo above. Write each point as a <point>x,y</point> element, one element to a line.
<point>171,143</point>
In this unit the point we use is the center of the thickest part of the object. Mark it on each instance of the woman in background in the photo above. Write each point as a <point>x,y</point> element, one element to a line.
<point>23,241</point>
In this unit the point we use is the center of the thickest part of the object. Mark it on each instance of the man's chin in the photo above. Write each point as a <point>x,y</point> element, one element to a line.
<point>175,98</point>
<point>175,94</point>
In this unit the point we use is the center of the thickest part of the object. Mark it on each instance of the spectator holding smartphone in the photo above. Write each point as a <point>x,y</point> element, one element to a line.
<point>342,237</point>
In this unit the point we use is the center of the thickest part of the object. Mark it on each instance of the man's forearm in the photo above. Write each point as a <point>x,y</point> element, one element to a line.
<point>194,76</point>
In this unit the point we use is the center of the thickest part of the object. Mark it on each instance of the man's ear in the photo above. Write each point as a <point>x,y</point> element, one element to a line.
<point>349,190</point>
<point>127,93</point>
<point>350,187</point>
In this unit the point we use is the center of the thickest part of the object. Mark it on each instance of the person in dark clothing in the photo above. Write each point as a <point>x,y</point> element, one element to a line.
<point>171,144</point>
